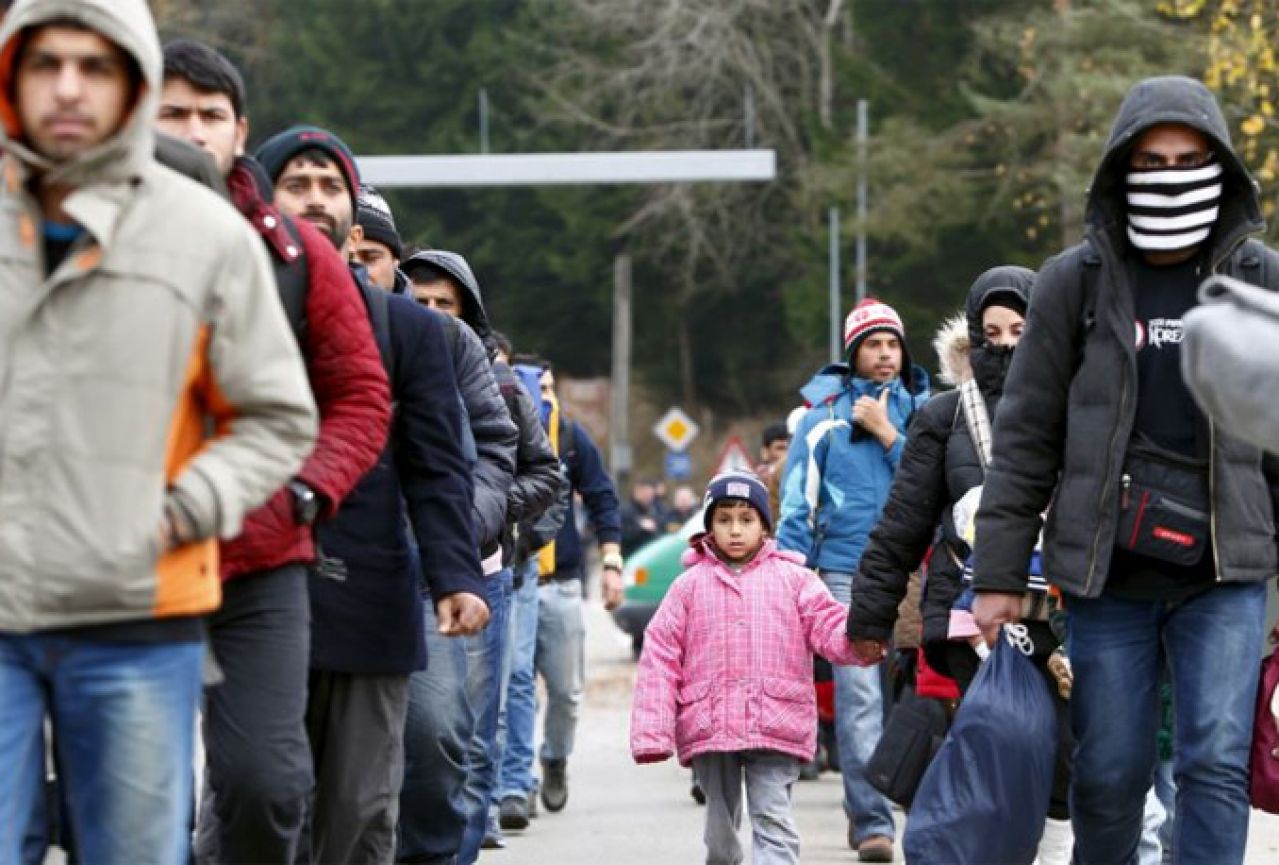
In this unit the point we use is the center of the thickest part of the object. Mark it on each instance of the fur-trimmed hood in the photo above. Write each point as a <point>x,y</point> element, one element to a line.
<point>952,346</point>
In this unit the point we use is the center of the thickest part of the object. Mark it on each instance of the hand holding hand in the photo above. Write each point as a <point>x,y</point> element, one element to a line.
<point>870,651</point>
<point>461,614</point>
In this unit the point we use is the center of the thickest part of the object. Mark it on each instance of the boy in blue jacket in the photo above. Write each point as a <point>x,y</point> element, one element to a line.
<point>838,473</point>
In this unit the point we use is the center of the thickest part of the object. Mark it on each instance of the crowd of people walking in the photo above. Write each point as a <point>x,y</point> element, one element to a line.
<point>1067,496</point>
<point>269,470</point>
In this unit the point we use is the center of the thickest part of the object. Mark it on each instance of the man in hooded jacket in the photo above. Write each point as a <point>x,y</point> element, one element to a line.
<point>1097,419</point>
<point>153,398</point>
<point>444,281</point>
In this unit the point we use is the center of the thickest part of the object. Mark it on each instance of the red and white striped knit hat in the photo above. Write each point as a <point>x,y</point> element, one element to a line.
<point>871,315</point>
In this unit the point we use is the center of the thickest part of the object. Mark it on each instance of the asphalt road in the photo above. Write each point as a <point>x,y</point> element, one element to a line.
<point>623,814</point>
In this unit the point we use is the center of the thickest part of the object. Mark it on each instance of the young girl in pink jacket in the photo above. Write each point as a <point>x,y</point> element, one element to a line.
<point>726,676</point>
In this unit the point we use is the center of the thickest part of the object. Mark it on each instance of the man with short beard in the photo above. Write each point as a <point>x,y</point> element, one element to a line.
<point>366,604</point>
<point>153,397</point>
<point>259,770</point>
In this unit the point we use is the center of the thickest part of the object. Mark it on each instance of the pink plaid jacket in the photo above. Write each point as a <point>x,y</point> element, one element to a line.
<point>728,659</point>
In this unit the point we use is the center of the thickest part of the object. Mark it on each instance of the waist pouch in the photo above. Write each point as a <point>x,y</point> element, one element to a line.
<point>1164,507</point>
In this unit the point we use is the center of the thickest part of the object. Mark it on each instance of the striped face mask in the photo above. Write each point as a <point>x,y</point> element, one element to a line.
<point>1172,209</point>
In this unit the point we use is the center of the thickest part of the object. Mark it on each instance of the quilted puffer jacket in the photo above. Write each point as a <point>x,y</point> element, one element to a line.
<point>728,658</point>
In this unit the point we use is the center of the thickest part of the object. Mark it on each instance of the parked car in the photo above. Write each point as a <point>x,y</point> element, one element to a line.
<point>649,573</point>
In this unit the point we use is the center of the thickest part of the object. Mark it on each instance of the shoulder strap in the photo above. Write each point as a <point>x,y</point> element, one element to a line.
<point>1090,276</point>
<point>293,279</point>
<point>973,406</point>
<point>568,440</point>
<point>380,318</point>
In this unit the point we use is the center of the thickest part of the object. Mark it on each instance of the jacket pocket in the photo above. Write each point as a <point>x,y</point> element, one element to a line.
<point>695,715</point>
<point>787,710</point>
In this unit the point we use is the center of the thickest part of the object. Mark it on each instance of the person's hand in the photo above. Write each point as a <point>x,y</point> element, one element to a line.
<point>461,614</point>
<point>612,589</point>
<point>872,416</point>
<point>648,524</point>
<point>993,610</point>
<point>870,651</point>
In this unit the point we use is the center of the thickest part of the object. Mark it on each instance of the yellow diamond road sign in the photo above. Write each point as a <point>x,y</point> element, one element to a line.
<point>676,430</point>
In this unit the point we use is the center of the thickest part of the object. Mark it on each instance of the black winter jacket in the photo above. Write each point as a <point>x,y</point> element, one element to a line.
<point>537,468</point>
<point>1070,400</point>
<point>938,466</point>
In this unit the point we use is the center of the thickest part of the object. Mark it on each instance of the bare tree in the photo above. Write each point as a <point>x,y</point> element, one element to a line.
<point>666,74</point>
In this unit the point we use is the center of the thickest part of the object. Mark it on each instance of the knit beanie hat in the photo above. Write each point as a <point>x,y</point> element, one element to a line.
<point>277,150</point>
<point>737,485</point>
<point>867,317</point>
<point>373,214</point>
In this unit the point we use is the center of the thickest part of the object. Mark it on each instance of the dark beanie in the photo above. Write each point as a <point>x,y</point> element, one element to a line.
<point>737,485</point>
<point>373,214</point>
<point>277,150</point>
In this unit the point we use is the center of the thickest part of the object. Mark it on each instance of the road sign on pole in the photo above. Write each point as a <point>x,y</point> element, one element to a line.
<point>734,457</point>
<point>676,429</point>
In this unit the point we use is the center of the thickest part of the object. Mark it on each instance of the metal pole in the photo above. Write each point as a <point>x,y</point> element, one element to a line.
<point>835,342</point>
<point>619,409</point>
<point>484,120</point>
<point>749,107</point>
<point>863,124</point>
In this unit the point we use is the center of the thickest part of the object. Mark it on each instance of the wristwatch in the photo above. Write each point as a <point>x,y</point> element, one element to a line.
<point>612,562</point>
<point>306,503</point>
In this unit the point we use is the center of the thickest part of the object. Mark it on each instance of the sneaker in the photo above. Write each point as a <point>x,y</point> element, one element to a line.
<point>554,784</point>
<point>513,814</point>
<point>493,839</point>
<point>876,848</point>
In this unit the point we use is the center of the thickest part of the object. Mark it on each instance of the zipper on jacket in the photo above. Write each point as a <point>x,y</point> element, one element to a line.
<point>1212,497</point>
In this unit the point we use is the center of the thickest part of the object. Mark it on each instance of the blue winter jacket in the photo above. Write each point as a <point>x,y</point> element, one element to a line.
<point>838,477</point>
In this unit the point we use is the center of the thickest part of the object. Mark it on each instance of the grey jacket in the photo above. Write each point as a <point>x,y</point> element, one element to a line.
<point>1230,358</point>
<point>1070,400</point>
<point>154,363</point>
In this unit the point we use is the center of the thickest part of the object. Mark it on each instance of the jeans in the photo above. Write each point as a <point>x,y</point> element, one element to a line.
<point>859,722</point>
<point>1155,846</point>
<point>123,716</point>
<point>485,653</point>
<point>436,735</point>
<point>1211,644</point>
<point>561,659</point>
<point>769,776</point>
<point>518,716</point>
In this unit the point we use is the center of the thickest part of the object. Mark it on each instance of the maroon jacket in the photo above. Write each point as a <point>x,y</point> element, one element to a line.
<point>347,378</point>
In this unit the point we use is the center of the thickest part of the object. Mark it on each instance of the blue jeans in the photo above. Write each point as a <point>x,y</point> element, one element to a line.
<point>859,722</point>
<point>437,732</point>
<point>518,716</point>
<point>123,716</point>
<point>1212,645</point>
<point>485,652</point>
<point>561,659</point>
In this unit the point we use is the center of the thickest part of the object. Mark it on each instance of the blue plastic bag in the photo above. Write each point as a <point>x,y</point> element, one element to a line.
<point>985,796</point>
